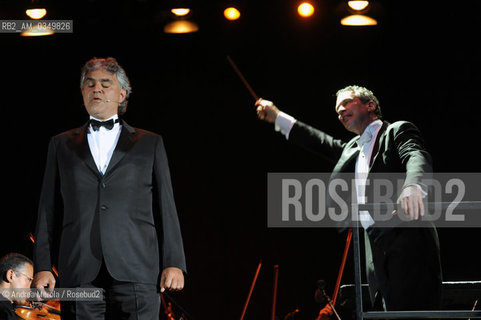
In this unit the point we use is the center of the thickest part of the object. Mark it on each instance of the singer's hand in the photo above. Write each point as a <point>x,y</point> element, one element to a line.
<point>172,278</point>
<point>44,281</point>
<point>266,110</point>
<point>411,201</point>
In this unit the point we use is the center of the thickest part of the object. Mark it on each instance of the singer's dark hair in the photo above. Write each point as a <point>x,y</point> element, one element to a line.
<point>365,95</point>
<point>13,261</point>
<point>110,65</point>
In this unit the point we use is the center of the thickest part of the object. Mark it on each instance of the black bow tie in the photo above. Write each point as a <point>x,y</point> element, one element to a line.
<point>109,124</point>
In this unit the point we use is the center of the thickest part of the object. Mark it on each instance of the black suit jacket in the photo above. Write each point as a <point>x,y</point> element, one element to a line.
<point>121,217</point>
<point>399,148</point>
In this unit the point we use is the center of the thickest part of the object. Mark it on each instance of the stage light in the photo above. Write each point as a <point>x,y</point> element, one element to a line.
<point>231,13</point>
<point>358,20</point>
<point>358,17</point>
<point>181,26</point>
<point>37,13</point>
<point>180,12</point>
<point>358,5</point>
<point>36,9</point>
<point>181,20</point>
<point>305,9</point>
<point>37,31</point>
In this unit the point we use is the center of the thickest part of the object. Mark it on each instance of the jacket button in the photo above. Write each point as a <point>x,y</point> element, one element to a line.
<point>103,207</point>
<point>103,185</point>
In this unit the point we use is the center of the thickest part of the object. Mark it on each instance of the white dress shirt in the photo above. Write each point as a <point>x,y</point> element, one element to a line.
<point>366,146</point>
<point>102,143</point>
<point>284,124</point>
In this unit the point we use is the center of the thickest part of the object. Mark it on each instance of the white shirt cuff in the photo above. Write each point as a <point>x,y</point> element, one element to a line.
<point>424,193</point>
<point>284,123</point>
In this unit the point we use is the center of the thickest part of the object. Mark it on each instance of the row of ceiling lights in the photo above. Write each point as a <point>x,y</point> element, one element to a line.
<point>306,10</point>
<point>182,24</point>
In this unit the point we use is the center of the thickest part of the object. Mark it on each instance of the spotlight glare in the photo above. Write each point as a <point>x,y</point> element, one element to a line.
<point>36,13</point>
<point>181,26</point>
<point>305,9</point>
<point>358,20</point>
<point>231,13</point>
<point>180,12</point>
<point>37,31</point>
<point>358,5</point>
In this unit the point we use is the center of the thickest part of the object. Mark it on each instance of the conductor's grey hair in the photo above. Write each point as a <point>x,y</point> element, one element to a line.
<point>364,94</point>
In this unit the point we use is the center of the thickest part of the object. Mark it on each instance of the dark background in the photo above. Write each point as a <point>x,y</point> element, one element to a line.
<point>421,61</point>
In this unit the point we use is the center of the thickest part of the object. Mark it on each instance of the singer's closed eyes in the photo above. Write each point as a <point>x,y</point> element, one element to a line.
<point>106,83</point>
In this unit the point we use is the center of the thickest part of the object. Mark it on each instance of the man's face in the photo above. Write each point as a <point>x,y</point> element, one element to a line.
<point>353,114</point>
<point>101,86</point>
<point>22,280</point>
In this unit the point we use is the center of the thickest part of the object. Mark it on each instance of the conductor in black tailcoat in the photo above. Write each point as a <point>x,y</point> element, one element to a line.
<point>403,262</point>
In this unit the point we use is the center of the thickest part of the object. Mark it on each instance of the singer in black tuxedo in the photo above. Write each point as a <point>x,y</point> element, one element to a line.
<point>405,267</point>
<point>119,229</point>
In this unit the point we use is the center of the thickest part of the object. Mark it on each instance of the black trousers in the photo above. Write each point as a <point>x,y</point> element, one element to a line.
<point>121,301</point>
<point>408,269</point>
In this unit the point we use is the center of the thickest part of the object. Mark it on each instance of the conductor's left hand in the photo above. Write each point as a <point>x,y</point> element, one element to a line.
<point>411,201</point>
<point>172,278</point>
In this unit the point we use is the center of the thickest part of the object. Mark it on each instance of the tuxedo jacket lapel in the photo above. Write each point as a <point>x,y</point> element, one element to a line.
<point>125,143</point>
<point>381,136</point>
<point>347,161</point>
<point>81,144</point>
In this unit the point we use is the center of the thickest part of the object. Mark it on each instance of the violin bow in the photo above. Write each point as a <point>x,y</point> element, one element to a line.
<point>251,289</point>
<point>332,302</point>
<point>343,264</point>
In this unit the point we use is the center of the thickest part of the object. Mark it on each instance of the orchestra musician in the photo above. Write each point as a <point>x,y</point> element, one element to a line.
<point>16,271</point>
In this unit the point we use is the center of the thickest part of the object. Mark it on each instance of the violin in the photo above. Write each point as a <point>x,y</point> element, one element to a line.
<point>33,310</point>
